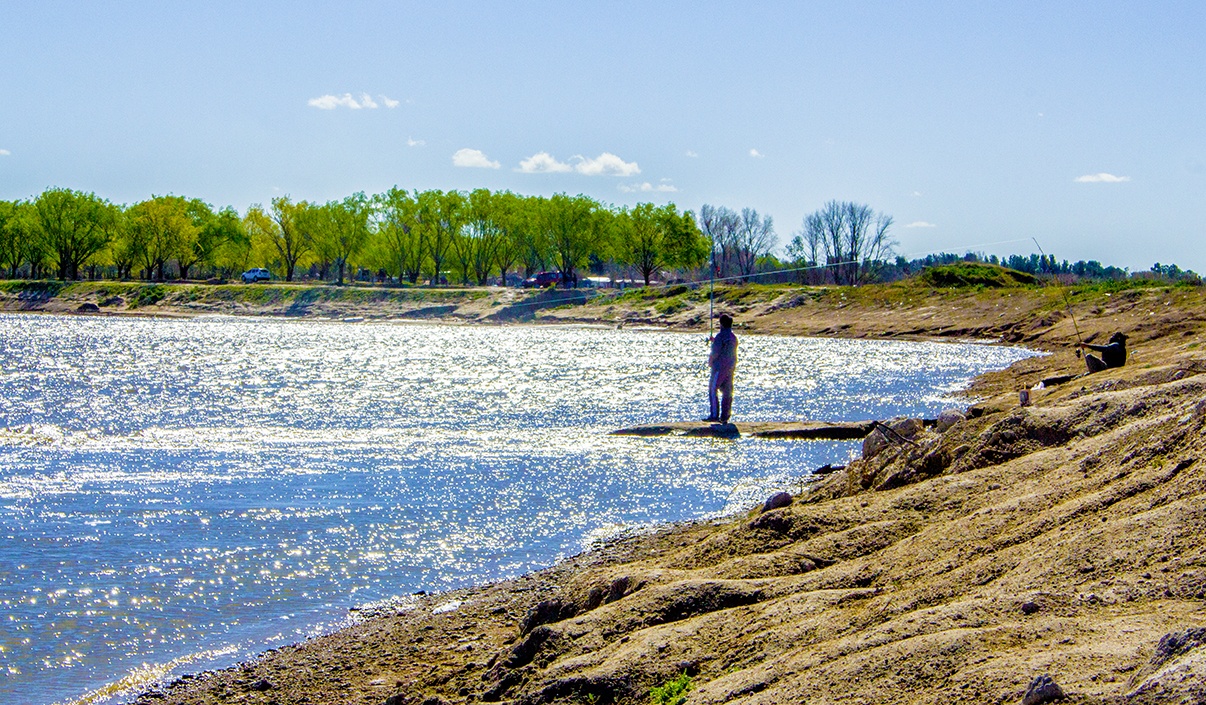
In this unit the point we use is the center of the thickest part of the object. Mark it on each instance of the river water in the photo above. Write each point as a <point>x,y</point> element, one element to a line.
<point>180,494</point>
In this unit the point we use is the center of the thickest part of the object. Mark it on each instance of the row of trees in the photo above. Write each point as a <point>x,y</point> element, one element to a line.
<point>1041,265</point>
<point>471,237</point>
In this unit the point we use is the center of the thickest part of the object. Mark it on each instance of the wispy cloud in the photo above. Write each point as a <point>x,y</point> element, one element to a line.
<point>692,153</point>
<point>756,154</point>
<point>365,101</point>
<point>646,187</point>
<point>412,142</point>
<point>606,164</point>
<point>543,163</point>
<point>5,153</point>
<point>1102,178</point>
<point>473,158</point>
<point>920,224</point>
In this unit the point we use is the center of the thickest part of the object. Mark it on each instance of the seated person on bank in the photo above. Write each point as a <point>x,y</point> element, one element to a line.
<point>1112,355</point>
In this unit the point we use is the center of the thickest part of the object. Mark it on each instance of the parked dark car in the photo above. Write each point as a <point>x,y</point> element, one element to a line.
<point>542,279</point>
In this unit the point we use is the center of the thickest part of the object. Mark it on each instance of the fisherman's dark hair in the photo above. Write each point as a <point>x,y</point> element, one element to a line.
<point>726,321</point>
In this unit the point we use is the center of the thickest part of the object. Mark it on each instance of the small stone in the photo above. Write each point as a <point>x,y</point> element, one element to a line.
<point>261,685</point>
<point>777,501</point>
<point>1043,689</point>
<point>88,307</point>
<point>1030,607</point>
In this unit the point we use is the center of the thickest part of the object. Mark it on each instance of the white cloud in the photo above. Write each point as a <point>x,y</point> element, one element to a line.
<point>920,224</point>
<point>412,142</point>
<point>692,153</point>
<point>389,102</point>
<point>917,194</point>
<point>330,102</point>
<point>606,164</point>
<point>473,158</point>
<point>647,187</point>
<point>5,153</point>
<point>543,163</point>
<point>756,154</point>
<point>1102,178</point>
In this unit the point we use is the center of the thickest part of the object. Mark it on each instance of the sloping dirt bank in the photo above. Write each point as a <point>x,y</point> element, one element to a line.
<point>1065,538</point>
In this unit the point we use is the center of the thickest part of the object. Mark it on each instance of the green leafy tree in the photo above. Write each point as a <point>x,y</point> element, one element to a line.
<point>75,226</point>
<point>12,250</point>
<point>343,229</point>
<point>401,238</point>
<point>513,218</point>
<point>121,252</point>
<point>441,217</point>
<point>534,240</point>
<point>484,233</point>
<point>287,237</point>
<point>223,235</point>
<point>161,228</point>
<point>213,230</point>
<point>651,239</point>
<point>576,228</point>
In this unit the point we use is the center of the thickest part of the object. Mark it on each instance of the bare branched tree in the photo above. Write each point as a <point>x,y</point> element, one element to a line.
<point>755,239</point>
<point>853,238</point>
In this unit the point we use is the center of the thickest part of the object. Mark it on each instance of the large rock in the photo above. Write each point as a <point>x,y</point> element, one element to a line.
<point>874,444</point>
<point>1176,673</point>
<point>947,419</point>
<point>777,501</point>
<point>1043,689</point>
<point>880,440</point>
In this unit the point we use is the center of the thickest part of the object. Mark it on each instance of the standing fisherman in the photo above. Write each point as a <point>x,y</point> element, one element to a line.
<point>723,362</point>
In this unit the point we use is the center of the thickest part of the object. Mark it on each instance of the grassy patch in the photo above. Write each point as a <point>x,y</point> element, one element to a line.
<point>43,288</point>
<point>672,692</point>
<point>147,295</point>
<point>669,307</point>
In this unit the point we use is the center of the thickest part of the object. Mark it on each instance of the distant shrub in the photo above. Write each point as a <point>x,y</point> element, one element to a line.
<point>972,274</point>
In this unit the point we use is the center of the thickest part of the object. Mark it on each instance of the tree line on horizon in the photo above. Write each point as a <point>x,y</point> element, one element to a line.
<point>467,237</point>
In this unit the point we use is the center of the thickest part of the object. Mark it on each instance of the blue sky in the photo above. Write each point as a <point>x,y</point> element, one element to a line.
<point>976,125</point>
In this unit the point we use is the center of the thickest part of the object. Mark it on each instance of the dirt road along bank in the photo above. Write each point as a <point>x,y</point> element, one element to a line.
<point>1066,538</point>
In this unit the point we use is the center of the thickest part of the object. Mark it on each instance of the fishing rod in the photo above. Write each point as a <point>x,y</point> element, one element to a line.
<point>1067,303</point>
<point>711,288</point>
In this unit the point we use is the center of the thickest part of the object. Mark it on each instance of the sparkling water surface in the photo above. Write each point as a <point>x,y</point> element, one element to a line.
<point>180,494</point>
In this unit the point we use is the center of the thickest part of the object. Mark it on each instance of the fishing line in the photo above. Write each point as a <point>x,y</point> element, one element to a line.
<point>713,279</point>
<point>1067,303</point>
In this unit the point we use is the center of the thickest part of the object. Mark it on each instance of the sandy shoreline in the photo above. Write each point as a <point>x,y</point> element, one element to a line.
<point>1063,538</point>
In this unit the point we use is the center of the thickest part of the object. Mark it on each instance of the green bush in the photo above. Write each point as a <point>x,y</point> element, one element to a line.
<point>975,274</point>
<point>673,692</point>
